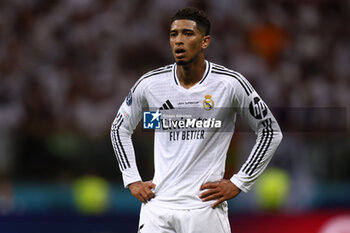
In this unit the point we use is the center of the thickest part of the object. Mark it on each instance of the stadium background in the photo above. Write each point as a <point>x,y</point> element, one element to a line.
<point>66,66</point>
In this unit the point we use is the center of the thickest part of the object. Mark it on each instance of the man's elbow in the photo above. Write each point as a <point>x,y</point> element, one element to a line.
<point>278,137</point>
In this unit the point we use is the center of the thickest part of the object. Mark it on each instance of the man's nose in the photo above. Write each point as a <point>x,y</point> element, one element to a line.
<point>179,39</point>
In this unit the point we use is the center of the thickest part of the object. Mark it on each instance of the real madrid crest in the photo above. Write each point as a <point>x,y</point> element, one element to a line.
<point>208,103</point>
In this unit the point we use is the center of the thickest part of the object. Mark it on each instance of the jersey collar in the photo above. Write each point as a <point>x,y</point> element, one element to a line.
<point>205,75</point>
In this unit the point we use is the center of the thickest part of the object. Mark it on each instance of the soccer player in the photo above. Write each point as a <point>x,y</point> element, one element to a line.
<point>188,193</point>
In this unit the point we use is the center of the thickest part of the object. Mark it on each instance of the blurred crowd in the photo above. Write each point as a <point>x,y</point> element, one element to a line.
<point>66,66</point>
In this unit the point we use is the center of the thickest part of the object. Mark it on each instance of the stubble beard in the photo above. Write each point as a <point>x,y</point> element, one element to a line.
<point>186,63</point>
<point>182,63</point>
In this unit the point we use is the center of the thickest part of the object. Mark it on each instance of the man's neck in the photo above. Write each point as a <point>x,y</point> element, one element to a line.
<point>191,74</point>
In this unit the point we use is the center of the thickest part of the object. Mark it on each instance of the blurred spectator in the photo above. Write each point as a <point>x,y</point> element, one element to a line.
<point>7,203</point>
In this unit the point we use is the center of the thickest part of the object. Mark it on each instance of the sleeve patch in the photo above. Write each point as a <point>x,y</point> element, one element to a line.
<point>128,99</point>
<point>258,108</point>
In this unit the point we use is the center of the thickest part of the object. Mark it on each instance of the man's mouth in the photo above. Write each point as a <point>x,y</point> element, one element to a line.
<point>180,53</point>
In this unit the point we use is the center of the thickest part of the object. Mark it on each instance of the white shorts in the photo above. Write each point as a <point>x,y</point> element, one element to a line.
<point>154,219</point>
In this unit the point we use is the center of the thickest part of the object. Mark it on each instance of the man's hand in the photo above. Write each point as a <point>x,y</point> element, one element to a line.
<point>221,191</point>
<point>142,190</point>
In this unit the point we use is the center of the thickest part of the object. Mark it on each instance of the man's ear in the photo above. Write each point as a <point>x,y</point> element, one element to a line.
<point>205,41</point>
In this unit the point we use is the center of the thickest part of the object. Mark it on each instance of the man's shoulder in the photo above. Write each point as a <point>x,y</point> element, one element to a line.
<point>223,73</point>
<point>153,75</point>
<point>158,71</point>
<point>223,70</point>
<point>231,76</point>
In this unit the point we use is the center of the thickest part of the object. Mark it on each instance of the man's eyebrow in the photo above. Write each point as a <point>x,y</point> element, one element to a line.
<point>182,30</point>
<point>187,30</point>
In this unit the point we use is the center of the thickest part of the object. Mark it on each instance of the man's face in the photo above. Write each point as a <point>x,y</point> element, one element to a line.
<point>187,41</point>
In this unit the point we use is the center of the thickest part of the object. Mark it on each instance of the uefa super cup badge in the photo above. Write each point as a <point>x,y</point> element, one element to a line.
<point>208,103</point>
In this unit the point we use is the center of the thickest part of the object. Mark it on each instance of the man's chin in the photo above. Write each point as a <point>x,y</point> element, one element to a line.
<point>182,63</point>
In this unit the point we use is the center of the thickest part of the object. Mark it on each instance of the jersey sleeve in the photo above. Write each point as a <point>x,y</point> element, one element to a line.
<point>260,119</point>
<point>128,117</point>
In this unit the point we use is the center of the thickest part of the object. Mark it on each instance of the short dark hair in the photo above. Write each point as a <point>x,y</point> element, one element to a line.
<point>192,13</point>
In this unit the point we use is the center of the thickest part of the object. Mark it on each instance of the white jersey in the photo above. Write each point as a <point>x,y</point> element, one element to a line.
<point>187,157</point>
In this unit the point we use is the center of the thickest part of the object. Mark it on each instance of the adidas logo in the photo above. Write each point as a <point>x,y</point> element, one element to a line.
<point>167,105</point>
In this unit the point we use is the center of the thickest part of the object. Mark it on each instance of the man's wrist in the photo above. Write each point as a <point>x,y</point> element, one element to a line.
<point>238,183</point>
<point>133,183</point>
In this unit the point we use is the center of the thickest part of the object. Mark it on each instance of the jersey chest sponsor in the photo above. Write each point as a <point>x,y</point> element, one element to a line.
<point>186,135</point>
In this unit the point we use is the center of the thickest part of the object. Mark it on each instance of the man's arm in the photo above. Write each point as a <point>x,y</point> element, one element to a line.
<point>261,120</point>
<point>259,117</point>
<point>122,128</point>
